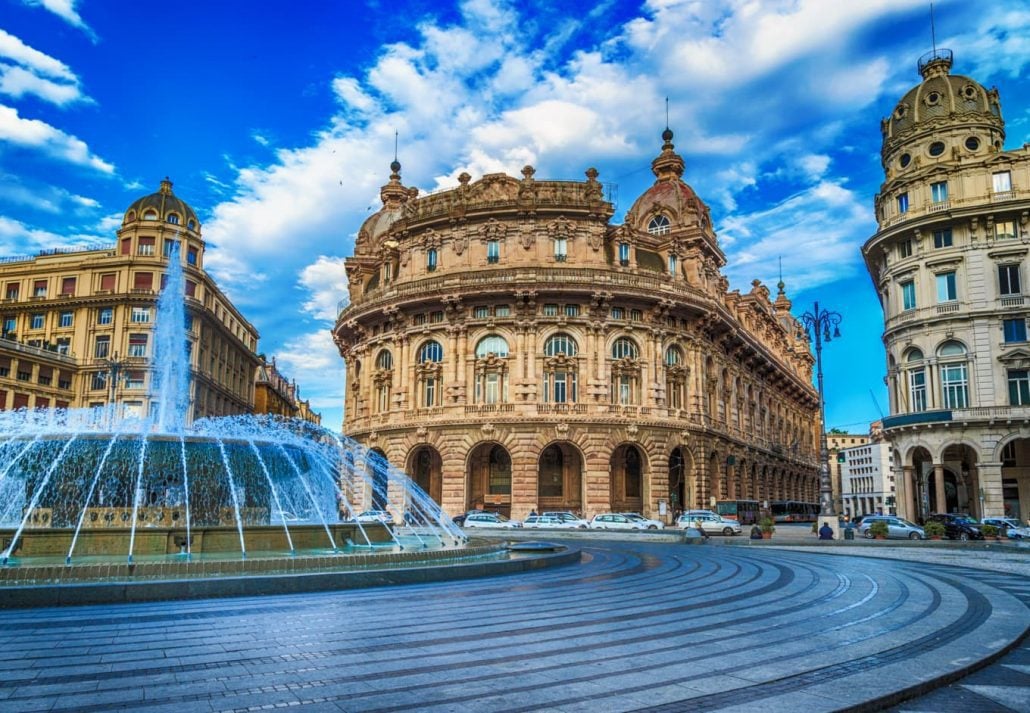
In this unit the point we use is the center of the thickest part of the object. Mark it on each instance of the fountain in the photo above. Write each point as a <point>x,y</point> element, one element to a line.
<point>92,485</point>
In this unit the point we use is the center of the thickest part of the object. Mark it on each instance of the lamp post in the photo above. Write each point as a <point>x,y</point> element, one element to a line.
<point>114,369</point>
<point>823,322</point>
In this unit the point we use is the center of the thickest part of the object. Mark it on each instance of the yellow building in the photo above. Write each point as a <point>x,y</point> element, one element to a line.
<point>275,394</point>
<point>77,324</point>
<point>510,348</point>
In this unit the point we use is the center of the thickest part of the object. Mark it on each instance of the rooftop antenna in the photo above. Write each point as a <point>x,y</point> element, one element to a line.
<point>395,139</point>
<point>933,31</point>
<point>666,112</point>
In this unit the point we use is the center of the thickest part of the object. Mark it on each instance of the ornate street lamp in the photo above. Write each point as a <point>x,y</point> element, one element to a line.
<point>823,322</point>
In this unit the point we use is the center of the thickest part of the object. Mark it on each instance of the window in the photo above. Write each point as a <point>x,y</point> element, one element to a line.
<point>169,246</point>
<point>102,346</point>
<point>550,310</point>
<point>420,318</point>
<point>939,192</point>
<point>624,254</point>
<point>502,311</point>
<point>1019,387</point>
<point>942,238</point>
<point>905,248</point>
<point>560,386</point>
<point>12,290</point>
<point>429,391</point>
<point>493,252</point>
<point>1008,280</point>
<point>384,361</point>
<point>134,379</point>
<point>673,264</point>
<point>143,281</point>
<point>107,282</point>
<point>946,287</point>
<point>492,344</point>
<point>145,247</point>
<point>38,320</point>
<point>105,315</point>
<point>560,344</point>
<point>39,288</point>
<point>571,310</point>
<point>1005,229</point>
<point>1001,182</point>
<point>624,389</point>
<point>937,147</point>
<point>68,286</point>
<point>624,348</point>
<point>903,203</point>
<point>1014,329</point>
<point>191,224</point>
<point>436,317</point>
<point>191,256</point>
<point>659,225</point>
<point>917,389</point>
<point>430,352</point>
<point>618,313</point>
<point>150,215</point>
<point>24,373</point>
<point>10,325</point>
<point>491,387</point>
<point>99,380</point>
<point>431,259</point>
<point>908,295</point>
<point>673,356</point>
<point>137,345</point>
<point>635,315</point>
<point>140,315</point>
<point>173,219</point>
<point>64,345</point>
<point>191,288</point>
<point>480,312</point>
<point>561,247</point>
<point>954,386</point>
<point>67,318</point>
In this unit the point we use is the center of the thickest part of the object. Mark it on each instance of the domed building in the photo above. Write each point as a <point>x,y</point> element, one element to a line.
<point>949,261</point>
<point>77,324</point>
<point>512,349</point>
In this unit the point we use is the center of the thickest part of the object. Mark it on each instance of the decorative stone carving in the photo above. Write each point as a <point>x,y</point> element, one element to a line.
<point>493,230</point>
<point>460,240</point>
<point>487,429</point>
<point>527,238</point>
<point>561,429</point>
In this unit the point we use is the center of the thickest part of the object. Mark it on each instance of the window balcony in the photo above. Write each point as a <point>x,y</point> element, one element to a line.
<point>493,260</point>
<point>1012,300</point>
<point>947,308</point>
<point>999,196</point>
<point>560,258</point>
<point>939,206</point>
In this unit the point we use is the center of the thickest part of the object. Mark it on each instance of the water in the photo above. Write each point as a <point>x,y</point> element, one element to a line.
<point>100,483</point>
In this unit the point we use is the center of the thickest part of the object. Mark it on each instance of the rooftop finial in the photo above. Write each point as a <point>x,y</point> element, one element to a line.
<point>933,31</point>
<point>395,166</point>
<point>780,284</point>
<point>667,134</point>
<point>936,62</point>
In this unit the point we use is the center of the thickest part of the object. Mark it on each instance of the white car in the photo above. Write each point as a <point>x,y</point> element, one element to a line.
<point>712,523</point>
<point>1008,527</point>
<point>490,519</point>
<point>615,521</point>
<point>380,516</point>
<point>549,521</point>
<point>570,519</point>
<point>651,524</point>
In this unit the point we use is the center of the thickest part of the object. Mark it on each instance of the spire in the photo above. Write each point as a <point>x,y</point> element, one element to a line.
<point>394,193</point>
<point>936,62</point>
<point>782,303</point>
<point>668,166</point>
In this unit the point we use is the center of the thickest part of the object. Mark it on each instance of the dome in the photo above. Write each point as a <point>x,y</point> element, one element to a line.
<point>669,203</point>
<point>163,206</point>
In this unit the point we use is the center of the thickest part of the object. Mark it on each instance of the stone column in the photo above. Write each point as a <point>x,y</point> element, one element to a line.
<point>907,492</point>
<point>938,483</point>
<point>989,480</point>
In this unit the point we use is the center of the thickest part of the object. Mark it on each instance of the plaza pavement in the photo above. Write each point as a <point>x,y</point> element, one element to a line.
<point>638,625</point>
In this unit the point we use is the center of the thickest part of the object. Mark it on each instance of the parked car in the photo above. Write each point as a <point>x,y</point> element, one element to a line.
<point>1008,527</point>
<point>569,518</point>
<point>548,521</point>
<point>615,521</point>
<point>460,519</point>
<point>958,527</point>
<point>381,516</point>
<point>489,519</point>
<point>651,524</point>
<point>711,522</point>
<point>898,528</point>
<point>856,521</point>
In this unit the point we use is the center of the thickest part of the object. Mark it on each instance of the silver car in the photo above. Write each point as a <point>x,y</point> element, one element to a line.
<point>1008,527</point>
<point>898,528</point>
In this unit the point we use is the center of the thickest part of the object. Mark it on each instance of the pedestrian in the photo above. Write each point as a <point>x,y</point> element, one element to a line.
<point>532,513</point>
<point>826,532</point>
<point>756,532</point>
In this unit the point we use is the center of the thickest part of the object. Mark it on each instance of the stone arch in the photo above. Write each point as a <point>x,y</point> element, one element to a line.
<point>378,480</point>
<point>682,479</point>
<point>628,464</point>
<point>425,466</point>
<point>560,466</point>
<point>488,477</point>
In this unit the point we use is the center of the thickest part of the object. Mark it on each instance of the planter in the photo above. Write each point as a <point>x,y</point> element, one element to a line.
<point>880,537</point>
<point>935,537</point>
<point>766,535</point>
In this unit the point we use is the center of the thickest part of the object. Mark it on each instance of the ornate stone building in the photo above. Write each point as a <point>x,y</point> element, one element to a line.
<point>510,348</point>
<point>77,324</point>
<point>275,394</point>
<point>949,260</point>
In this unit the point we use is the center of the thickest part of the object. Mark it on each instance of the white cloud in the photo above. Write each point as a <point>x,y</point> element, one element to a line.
<point>17,82</point>
<point>326,282</point>
<point>33,133</point>
<point>42,197</point>
<point>314,361</point>
<point>18,238</point>
<point>43,64</point>
<point>65,9</point>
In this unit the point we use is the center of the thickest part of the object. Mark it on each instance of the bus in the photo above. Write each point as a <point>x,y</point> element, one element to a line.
<point>794,511</point>
<point>743,511</point>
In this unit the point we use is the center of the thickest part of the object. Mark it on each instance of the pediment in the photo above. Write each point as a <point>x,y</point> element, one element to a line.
<point>1019,356</point>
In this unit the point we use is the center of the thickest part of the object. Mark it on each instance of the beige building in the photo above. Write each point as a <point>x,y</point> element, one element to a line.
<point>837,442</point>
<point>275,394</point>
<point>77,324</point>
<point>511,348</point>
<point>949,261</point>
<point>868,480</point>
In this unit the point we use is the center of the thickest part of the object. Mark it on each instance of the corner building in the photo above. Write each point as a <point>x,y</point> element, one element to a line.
<point>949,261</point>
<point>512,349</point>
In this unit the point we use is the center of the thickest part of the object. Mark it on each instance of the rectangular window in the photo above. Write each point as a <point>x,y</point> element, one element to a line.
<point>635,315</point>
<point>1005,229</point>
<point>946,291</point>
<point>38,321</point>
<point>12,290</point>
<point>903,203</point>
<point>1014,329</point>
<point>942,238</point>
<point>68,286</point>
<point>145,247</point>
<point>67,318</point>
<point>10,325</point>
<point>137,345</point>
<point>64,345</point>
<point>939,192</point>
<point>905,248</point>
<point>431,259</point>
<point>420,318</point>
<point>954,386</point>
<point>191,288</point>
<point>618,313</point>
<point>673,264</point>
<point>917,389</point>
<point>126,246</point>
<point>571,310</point>
<point>169,246</point>
<point>99,380</point>
<point>480,312</point>
<point>143,281</point>
<point>102,347</point>
<point>561,246</point>
<point>1019,387</point>
<point>625,389</point>
<point>436,317</point>
<point>140,315</point>
<point>107,282</point>
<point>39,288</point>
<point>430,392</point>
<point>624,254</point>
<point>550,310</point>
<point>502,311</point>
<point>493,252</point>
<point>191,256</point>
<point>105,315</point>
<point>1001,182</point>
<point>134,379</point>
<point>24,373</point>
<point>1008,280</point>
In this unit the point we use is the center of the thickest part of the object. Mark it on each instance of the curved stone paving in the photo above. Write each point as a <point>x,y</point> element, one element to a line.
<point>637,626</point>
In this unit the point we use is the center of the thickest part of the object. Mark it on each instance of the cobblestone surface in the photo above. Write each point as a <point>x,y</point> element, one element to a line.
<point>638,625</point>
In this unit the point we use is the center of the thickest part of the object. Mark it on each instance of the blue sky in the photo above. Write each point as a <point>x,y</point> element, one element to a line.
<point>276,122</point>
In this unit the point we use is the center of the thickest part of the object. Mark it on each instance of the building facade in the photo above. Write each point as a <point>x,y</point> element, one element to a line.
<point>77,324</point>
<point>274,394</point>
<point>868,480</point>
<point>835,443</point>
<point>949,261</point>
<point>512,349</point>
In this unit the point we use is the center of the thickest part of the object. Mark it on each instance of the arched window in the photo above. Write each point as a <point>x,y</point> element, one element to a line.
<point>954,375</point>
<point>191,224</point>
<point>492,344</point>
<point>385,360</point>
<point>659,225</point>
<point>673,264</point>
<point>624,348</point>
<point>173,219</point>
<point>675,378</point>
<point>560,344</point>
<point>430,352</point>
<point>673,356</point>
<point>431,259</point>
<point>150,215</point>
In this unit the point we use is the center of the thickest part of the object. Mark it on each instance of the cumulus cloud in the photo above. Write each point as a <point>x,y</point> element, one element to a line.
<point>326,283</point>
<point>36,134</point>
<point>29,71</point>
<point>21,239</point>
<point>314,361</point>
<point>65,9</point>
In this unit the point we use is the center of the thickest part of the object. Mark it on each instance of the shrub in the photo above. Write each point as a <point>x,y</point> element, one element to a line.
<point>767,524</point>
<point>989,530</point>
<point>879,529</point>
<point>933,529</point>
